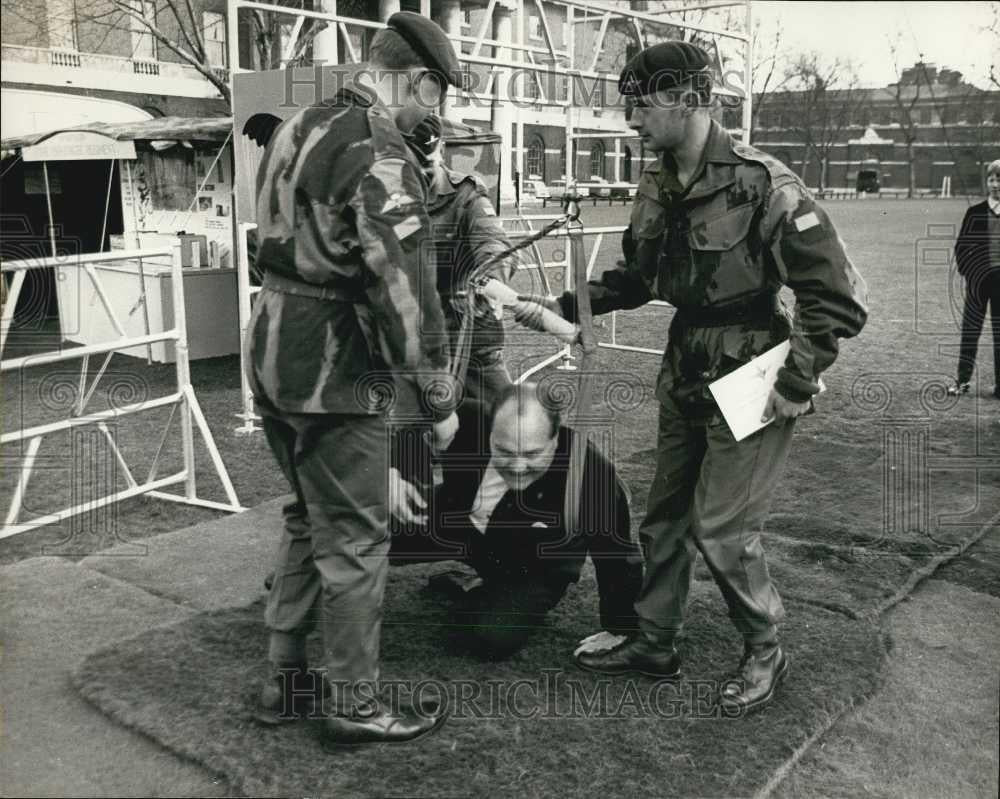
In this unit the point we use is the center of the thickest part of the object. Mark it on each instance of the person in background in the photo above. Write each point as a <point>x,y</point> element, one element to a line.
<point>977,257</point>
<point>467,234</point>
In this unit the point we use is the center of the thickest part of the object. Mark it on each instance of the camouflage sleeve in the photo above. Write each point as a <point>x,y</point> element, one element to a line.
<point>618,289</point>
<point>830,295</point>
<point>481,228</point>
<point>392,228</point>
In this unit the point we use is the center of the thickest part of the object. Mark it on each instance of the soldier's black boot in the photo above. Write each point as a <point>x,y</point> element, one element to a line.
<point>290,693</point>
<point>376,723</point>
<point>639,653</point>
<point>761,670</point>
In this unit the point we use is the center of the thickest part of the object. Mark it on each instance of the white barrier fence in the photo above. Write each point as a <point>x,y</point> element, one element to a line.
<point>183,398</point>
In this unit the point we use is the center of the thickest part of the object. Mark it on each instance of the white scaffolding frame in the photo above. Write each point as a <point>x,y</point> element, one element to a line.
<point>524,62</point>
<point>183,398</point>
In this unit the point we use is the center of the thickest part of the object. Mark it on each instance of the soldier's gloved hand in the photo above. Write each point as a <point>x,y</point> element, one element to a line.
<point>780,410</point>
<point>528,310</point>
<point>444,432</point>
<point>598,642</point>
<point>405,501</point>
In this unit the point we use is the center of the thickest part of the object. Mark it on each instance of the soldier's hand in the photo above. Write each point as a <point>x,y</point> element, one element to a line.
<point>528,311</point>
<point>780,410</point>
<point>405,501</point>
<point>444,432</point>
<point>598,642</point>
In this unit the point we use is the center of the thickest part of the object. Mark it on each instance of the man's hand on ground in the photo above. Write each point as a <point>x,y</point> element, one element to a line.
<point>444,432</point>
<point>598,642</point>
<point>780,410</point>
<point>405,501</point>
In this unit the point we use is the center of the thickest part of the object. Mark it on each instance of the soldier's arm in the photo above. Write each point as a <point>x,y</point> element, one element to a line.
<point>964,247</point>
<point>481,228</point>
<point>618,289</point>
<point>392,228</point>
<point>830,295</point>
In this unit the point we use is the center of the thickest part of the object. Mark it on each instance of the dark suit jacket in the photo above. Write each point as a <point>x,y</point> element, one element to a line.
<point>972,249</point>
<point>525,539</point>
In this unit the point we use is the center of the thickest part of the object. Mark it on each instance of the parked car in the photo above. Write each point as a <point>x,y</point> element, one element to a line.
<point>603,190</point>
<point>557,188</point>
<point>622,190</point>
<point>868,180</point>
<point>537,189</point>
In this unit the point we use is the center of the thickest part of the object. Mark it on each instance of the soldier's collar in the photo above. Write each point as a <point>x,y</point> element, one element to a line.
<point>719,147</point>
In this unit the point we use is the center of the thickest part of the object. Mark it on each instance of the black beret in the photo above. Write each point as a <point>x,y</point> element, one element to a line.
<point>426,137</point>
<point>430,43</point>
<point>663,66</point>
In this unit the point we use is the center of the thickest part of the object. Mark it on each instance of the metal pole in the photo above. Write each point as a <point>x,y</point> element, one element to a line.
<point>748,77</point>
<point>142,272</point>
<point>183,370</point>
<point>244,307</point>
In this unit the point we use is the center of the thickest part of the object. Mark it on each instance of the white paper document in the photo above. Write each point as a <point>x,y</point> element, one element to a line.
<point>742,394</point>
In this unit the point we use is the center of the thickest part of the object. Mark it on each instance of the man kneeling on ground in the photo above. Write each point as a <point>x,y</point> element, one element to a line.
<point>498,508</point>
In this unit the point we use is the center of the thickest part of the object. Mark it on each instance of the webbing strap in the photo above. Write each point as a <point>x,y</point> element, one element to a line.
<point>578,452</point>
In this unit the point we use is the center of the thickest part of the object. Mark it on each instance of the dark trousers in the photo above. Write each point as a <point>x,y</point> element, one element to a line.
<point>494,620</point>
<point>487,376</point>
<point>981,291</point>
<point>710,494</point>
<point>331,565</point>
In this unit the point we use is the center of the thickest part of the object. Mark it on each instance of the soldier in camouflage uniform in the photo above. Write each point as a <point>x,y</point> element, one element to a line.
<point>717,229</point>
<point>348,308</point>
<point>467,234</point>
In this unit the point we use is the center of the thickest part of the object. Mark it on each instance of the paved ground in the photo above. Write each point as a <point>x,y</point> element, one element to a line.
<point>942,670</point>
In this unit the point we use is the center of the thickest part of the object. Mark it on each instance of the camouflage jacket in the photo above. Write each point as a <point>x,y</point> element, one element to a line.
<point>340,213</point>
<point>745,227</point>
<point>467,233</point>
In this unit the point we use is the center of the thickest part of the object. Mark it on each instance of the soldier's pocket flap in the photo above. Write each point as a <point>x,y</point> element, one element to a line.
<point>723,232</point>
<point>649,219</point>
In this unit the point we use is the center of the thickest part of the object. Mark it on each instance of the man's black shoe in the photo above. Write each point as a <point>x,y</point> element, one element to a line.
<point>377,724</point>
<point>290,693</point>
<point>638,653</point>
<point>758,676</point>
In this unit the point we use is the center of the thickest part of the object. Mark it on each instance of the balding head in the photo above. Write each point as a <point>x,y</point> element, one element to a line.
<point>525,434</point>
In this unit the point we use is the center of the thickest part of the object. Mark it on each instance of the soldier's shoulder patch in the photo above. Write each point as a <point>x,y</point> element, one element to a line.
<point>805,221</point>
<point>407,227</point>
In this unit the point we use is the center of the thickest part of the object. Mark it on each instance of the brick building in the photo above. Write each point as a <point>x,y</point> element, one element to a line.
<point>953,128</point>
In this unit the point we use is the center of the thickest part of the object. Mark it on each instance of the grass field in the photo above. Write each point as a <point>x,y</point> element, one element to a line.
<point>889,473</point>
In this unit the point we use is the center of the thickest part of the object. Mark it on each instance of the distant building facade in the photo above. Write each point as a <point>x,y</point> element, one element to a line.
<point>954,127</point>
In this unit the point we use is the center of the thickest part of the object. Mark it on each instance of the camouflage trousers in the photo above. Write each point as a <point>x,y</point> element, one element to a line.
<point>710,494</point>
<point>331,564</point>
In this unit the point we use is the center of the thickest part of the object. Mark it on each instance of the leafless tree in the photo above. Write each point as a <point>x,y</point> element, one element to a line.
<point>820,100</point>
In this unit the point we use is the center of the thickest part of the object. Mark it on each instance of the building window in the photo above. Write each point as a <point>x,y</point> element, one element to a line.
<point>531,85</point>
<point>925,116</point>
<point>214,30</point>
<point>466,19</point>
<point>535,160</point>
<point>884,116</point>
<point>535,28</point>
<point>627,166</point>
<point>597,159</point>
<point>143,43</point>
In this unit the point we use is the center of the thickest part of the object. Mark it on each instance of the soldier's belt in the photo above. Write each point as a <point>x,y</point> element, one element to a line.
<point>276,282</point>
<point>759,308</point>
